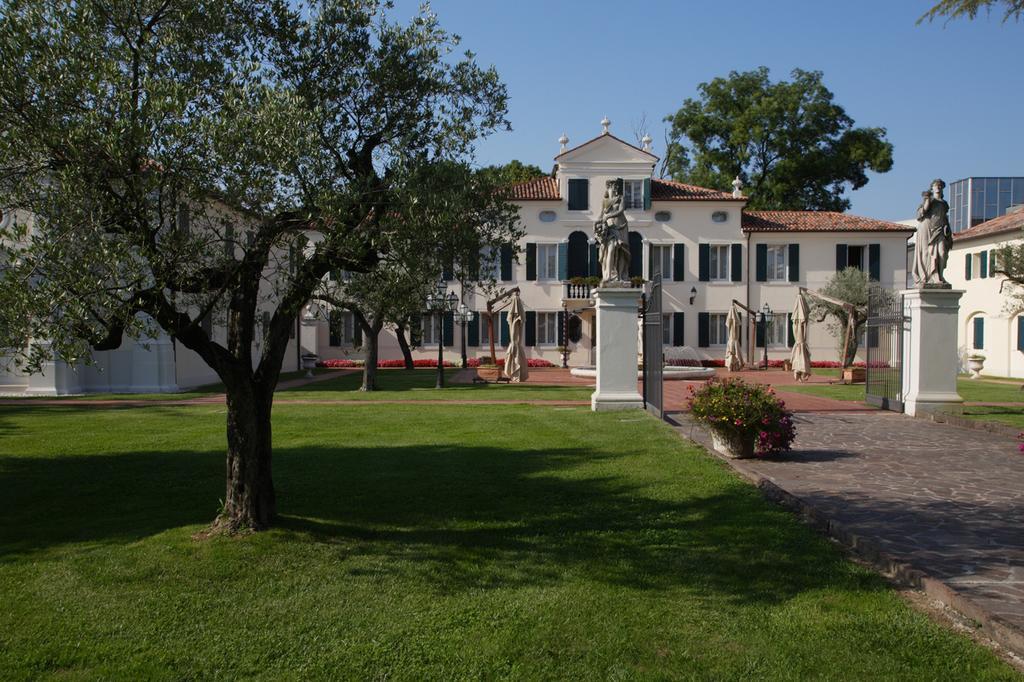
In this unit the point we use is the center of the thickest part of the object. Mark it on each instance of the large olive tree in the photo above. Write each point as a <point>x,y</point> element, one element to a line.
<point>293,133</point>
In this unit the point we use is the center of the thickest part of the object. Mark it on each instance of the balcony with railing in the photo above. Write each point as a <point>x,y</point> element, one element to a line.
<point>576,292</point>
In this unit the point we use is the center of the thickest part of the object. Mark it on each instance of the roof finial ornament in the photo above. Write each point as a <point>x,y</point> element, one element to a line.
<point>564,142</point>
<point>604,125</point>
<point>737,188</point>
<point>646,142</point>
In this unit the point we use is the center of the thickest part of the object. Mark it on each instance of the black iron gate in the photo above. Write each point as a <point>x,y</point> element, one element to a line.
<point>652,333</point>
<point>884,372</point>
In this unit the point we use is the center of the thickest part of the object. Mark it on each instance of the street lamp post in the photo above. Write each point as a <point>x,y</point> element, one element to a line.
<point>439,302</point>
<point>765,317</point>
<point>463,315</point>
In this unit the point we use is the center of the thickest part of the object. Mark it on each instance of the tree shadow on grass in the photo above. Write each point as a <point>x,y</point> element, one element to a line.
<point>450,517</point>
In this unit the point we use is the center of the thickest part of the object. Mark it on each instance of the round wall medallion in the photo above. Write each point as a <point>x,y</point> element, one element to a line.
<point>663,216</point>
<point>719,216</point>
<point>548,216</point>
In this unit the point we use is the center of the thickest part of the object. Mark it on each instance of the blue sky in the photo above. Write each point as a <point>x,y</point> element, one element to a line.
<point>951,97</point>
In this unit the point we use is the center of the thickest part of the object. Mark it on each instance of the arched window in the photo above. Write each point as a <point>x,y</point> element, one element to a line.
<point>579,255</point>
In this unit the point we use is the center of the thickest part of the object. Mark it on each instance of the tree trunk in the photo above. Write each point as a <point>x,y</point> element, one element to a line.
<point>372,342</point>
<point>404,345</point>
<point>249,501</point>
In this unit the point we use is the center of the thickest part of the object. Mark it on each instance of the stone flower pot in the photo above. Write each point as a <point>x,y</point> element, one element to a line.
<point>975,363</point>
<point>733,445</point>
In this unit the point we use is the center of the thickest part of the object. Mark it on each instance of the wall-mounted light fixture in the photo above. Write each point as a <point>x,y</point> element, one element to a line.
<point>693,294</point>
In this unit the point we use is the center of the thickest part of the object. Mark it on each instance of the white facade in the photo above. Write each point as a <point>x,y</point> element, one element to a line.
<point>990,323</point>
<point>703,240</point>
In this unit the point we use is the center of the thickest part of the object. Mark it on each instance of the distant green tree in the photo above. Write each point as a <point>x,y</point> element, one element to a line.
<point>956,9</point>
<point>789,142</point>
<point>510,173</point>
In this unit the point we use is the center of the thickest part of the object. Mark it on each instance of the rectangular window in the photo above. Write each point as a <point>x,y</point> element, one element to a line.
<point>777,271</point>
<point>431,331</point>
<point>488,263</point>
<point>979,333</point>
<point>718,333</point>
<point>547,261</point>
<point>719,262</point>
<point>666,329</point>
<point>777,335</point>
<point>485,330</point>
<point>661,262</point>
<point>547,329</point>
<point>855,256</point>
<point>342,328</point>
<point>579,188</point>
<point>633,193</point>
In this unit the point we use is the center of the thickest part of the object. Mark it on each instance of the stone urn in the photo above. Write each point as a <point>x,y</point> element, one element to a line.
<point>309,363</point>
<point>733,445</point>
<point>975,363</point>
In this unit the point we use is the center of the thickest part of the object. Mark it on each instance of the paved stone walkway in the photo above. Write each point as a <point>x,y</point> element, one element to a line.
<point>941,506</point>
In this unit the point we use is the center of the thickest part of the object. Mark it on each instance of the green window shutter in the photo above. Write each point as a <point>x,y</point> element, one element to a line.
<point>334,327</point>
<point>531,262</point>
<point>579,190</point>
<point>678,329</point>
<point>560,321</point>
<point>703,330</point>
<point>704,262</point>
<point>531,328</point>
<point>647,194</point>
<point>761,267</point>
<point>790,340</point>
<point>736,262</point>
<point>357,332</point>
<point>678,262</point>
<point>505,334</point>
<point>473,331</point>
<point>840,257</point>
<point>759,335</point>
<point>446,273</point>
<point>983,264</point>
<point>636,255</point>
<point>794,263</point>
<point>873,336</point>
<point>968,265</point>
<point>506,262</point>
<point>1020,333</point>
<point>595,261</point>
<point>448,329</point>
<point>563,261</point>
<point>875,262</point>
<point>979,333</point>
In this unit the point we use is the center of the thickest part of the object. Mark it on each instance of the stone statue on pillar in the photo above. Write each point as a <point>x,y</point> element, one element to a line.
<point>612,232</point>
<point>934,239</point>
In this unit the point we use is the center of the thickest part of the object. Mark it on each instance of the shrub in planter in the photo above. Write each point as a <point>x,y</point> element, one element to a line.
<point>747,419</point>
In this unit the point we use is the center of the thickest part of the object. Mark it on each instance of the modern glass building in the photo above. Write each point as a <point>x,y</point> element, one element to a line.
<point>975,200</point>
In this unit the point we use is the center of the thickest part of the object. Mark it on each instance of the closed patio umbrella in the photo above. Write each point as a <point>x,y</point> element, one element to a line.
<point>733,353</point>
<point>515,355</point>
<point>801,357</point>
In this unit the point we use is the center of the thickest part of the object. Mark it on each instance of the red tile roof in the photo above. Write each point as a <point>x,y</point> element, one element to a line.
<point>670,190</point>
<point>540,189</point>
<point>815,221</point>
<point>546,189</point>
<point>1009,222</point>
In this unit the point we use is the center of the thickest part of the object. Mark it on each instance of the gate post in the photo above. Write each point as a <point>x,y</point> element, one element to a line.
<point>616,350</point>
<point>930,350</point>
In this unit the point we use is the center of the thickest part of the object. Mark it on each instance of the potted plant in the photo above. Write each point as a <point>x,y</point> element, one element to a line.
<point>854,375</point>
<point>745,420</point>
<point>975,363</point>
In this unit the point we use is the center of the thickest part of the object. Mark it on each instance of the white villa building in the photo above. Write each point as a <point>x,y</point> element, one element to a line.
<point>990,325</point>
<point>708,249</point>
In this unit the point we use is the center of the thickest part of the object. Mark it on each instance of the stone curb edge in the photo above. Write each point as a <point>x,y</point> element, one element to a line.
<point>995,627</point>
<point>965,423</point>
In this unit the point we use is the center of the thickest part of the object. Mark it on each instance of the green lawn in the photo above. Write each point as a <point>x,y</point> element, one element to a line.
<point>427,542</point>
<point>971,390</point>
<point>418,384</point>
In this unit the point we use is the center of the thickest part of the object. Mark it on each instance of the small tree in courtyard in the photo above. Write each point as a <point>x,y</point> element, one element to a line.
<point>853,286</point>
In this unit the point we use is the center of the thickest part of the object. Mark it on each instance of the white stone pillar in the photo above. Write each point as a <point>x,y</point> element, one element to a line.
<point>930,355</point>
<point>616,350</point>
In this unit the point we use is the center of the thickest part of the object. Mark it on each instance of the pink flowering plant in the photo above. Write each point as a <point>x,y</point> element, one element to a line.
<point>737,409</point>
